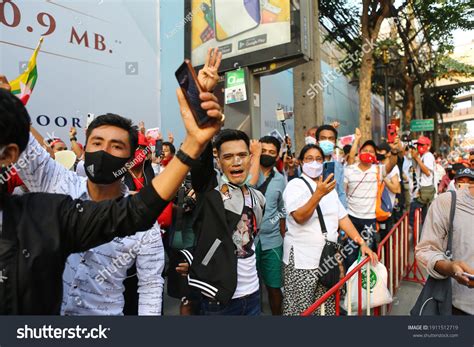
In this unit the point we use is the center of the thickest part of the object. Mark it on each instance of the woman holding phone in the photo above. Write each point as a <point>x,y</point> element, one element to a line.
<point>304,240</point>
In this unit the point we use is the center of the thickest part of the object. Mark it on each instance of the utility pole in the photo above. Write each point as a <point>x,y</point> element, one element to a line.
<point>308,102</point>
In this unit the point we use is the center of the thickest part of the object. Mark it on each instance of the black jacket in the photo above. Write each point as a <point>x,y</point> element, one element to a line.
<point>41,230</point>
<point>214,261</point>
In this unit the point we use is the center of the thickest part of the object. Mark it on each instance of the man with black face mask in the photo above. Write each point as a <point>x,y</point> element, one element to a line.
<point>38,232</point>
<point>269,240</point>
<point>93,280</point>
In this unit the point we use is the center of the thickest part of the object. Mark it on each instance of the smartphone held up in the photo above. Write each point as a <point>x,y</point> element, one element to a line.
<point>328,169</point>
<point>391,133</point>
<point>191,88</point>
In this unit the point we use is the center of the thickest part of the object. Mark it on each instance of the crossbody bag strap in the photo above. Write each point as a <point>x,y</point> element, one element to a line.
<point>363,178</point>
<point>318,210</point>
<point>264,186</point>
<point>449,253</point>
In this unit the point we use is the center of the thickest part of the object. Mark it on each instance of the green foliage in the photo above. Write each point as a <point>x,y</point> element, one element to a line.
<point>426,45</point>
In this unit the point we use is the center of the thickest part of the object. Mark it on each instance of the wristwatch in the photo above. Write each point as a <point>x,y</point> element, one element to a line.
<point>186,159</point>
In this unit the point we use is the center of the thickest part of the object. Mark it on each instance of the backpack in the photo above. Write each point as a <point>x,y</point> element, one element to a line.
<point>383,203</point>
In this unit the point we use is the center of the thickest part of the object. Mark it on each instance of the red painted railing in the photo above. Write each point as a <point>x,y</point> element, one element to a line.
<point>394,252</point>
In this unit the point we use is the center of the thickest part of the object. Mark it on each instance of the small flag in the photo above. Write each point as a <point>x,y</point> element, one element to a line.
<point>23,86</point>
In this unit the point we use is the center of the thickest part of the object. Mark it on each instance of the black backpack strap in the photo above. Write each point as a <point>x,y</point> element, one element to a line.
<point>449,252</point>
<point>318,210</point>
<point>179,211</point>
<point>264,186</point>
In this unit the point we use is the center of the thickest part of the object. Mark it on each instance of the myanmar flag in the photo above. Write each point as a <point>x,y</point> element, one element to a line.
<point>23,86</point>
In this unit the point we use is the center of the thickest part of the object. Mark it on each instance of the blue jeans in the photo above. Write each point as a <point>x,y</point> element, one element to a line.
<point>366,229</point>
<point>246,306</point>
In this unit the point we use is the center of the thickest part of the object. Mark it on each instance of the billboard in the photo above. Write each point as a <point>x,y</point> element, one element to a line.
<point>97,57</point>
<point>248,32</point>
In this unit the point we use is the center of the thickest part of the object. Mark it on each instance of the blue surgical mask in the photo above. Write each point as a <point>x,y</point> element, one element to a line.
<point>327,147</point>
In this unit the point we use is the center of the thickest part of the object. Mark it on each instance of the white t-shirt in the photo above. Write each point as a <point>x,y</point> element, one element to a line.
<point>395,172</point>
<point>361,191</point>
<point>243,237</point>
<point>440,172</point>
<point>451,186</point>
<point>156,168</point>
<point>428,160</point>
<point>307,239</point>
<point>80,170</point>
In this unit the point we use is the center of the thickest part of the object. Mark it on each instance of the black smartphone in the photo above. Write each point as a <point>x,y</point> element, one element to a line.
<point>328,168</point>
<point>159,148</point>
<point>189,84</point>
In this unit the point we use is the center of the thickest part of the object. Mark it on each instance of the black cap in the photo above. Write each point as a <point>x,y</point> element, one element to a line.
<point>465,172</point>
<point>457,166</point>
<point>369,143</point>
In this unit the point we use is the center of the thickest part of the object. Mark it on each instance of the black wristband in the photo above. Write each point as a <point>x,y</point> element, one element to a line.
<point>186,159</point>
<point>73,139</point>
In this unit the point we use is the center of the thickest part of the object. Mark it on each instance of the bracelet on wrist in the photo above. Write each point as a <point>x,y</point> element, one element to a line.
<point>186,159</point>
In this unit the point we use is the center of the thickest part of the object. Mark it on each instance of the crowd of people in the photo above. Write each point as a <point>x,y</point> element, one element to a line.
<point>218,216</point>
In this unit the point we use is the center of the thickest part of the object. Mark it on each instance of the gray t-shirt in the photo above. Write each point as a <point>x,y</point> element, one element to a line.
<point>434,241</point>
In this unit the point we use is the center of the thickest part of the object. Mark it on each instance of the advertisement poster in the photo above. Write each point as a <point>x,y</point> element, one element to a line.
<point>238,27</point>
<point>96,57</point>
<point>235,90</point>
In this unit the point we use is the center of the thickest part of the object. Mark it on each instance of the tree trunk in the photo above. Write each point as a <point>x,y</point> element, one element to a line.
<point>435,133</point>
<point>409,106</point>
<point>365,93</point>
<point>371,22</point>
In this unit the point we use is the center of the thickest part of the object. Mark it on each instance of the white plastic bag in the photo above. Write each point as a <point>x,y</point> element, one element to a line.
<point>379,293</point>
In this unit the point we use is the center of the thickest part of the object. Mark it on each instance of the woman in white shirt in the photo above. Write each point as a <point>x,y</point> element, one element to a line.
<point>304,241</point>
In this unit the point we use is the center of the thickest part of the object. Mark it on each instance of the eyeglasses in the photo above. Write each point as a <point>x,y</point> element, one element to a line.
<point>309,159</point>
<point>232,157</point>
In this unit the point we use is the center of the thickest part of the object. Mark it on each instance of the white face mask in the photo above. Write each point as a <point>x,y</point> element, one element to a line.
<point>309,140</point>
<point>313,169</point>
<point>461,186</point>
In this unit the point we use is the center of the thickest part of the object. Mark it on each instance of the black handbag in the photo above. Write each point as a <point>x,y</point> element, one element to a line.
<point>328,274</point>
<point>436,297</point>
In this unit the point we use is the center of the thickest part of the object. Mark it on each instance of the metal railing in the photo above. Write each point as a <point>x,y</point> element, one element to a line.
<point>414,273</point>
<point>394,252</point>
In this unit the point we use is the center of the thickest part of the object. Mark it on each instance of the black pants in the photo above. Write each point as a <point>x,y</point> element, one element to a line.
<point>386,226</point>
<point>367,229</point>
